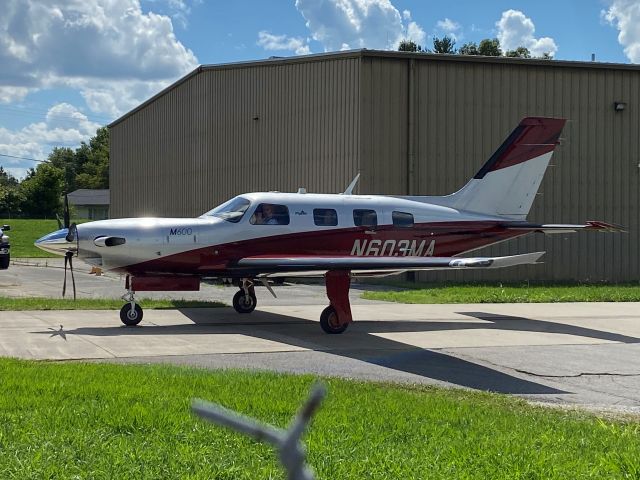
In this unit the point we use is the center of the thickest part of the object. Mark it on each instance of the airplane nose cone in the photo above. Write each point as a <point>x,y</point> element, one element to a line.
<point>56,242</point>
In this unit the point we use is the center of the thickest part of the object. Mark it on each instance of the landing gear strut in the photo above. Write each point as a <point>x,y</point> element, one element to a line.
<point>131,312</point>
<point>337,316</point>
<point>245,301</point>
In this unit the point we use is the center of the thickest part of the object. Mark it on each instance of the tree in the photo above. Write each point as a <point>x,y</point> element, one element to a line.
<point>93,161</point>
<point>546,56</point>
<point>42,191</point>
<point>444,45</point>
<point>6,179</point>
<point>10,199</point>
<point>520,52</point>
<point>490,48</point>
<point>409,46</point>
<point>469,48</point>
<point>64,159</point>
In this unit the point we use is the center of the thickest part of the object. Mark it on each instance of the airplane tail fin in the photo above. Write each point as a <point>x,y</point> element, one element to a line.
<point>508,182</point>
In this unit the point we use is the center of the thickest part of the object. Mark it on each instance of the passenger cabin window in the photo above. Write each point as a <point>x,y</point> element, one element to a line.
<point>231,210</point>
<point>402,219</point>
<point>365,218</point>
<point>270,214</point>
<point>325,217</point>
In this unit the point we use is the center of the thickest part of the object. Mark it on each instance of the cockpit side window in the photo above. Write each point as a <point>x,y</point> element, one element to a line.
<point>231,211</point>
<point>270,214</point>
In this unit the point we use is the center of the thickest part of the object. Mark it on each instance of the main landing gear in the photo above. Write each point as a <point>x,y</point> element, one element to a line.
<point>337,316</point>
<point>131,312</point>
<point>333,320</point>
<point>245,301</point>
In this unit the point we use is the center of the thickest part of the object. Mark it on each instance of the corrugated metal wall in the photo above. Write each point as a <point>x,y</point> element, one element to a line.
<point>384,117</point>
<point>226,131</point>
<point>315,122</point>
<point>464,110</point>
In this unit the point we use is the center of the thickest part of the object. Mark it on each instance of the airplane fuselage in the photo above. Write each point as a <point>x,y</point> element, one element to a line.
<point>308,224</point>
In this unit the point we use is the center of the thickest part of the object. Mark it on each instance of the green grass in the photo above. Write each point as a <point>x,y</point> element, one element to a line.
<point>26,231</point>
<point>510,294</point>
<point>42,303</point>
<point>100,421</point>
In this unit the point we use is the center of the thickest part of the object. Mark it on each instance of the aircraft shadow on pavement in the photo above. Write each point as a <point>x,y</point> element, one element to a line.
<point>523,324</point>
<point>361,342</point>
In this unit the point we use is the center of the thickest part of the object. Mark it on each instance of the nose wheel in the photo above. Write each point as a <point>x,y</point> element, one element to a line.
<point>131,312</point>
<point>131,315</point>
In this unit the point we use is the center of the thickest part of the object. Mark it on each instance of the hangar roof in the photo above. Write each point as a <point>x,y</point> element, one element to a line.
<point>362,53</point>
<point>88,196</point>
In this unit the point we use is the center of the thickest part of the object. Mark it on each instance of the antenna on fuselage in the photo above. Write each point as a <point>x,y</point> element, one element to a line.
<point>352,185</point>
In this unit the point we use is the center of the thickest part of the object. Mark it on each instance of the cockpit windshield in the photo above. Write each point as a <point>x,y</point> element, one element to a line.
<point>231,210</point>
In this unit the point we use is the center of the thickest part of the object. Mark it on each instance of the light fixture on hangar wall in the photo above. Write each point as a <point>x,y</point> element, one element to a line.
<point>619,106</point>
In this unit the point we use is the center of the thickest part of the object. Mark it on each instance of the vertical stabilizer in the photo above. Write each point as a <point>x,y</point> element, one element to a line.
<point>508,182</point>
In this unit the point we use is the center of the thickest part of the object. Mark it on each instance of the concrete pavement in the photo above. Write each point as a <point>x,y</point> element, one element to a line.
<point>577,354</point>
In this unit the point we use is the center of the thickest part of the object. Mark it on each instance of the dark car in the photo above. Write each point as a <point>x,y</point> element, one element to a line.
<point>4,247</point>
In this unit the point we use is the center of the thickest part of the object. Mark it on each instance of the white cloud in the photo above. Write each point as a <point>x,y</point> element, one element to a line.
<point>12,94</point>
<point>516,30</point>
<point>178,9</point>
<point>64,126</point>
<point>450,28</point>
<point>269,41</point>
<point>348,24</point>
<point>101,47</point>
<point>625,16</point>
<point>414,32</point>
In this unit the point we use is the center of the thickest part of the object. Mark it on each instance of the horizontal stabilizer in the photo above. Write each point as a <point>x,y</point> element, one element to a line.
<point>550,228</point>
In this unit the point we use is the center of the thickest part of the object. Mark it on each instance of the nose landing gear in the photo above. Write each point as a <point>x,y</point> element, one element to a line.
<point>131,312</point>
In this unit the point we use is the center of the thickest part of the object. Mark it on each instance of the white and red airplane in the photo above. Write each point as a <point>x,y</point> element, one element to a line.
<point>256,236</point>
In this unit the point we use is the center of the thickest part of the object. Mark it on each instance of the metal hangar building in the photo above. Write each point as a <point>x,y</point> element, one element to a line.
<point>410,123</point>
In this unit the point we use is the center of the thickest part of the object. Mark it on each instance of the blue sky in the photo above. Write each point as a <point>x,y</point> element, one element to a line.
<point>70,66</point>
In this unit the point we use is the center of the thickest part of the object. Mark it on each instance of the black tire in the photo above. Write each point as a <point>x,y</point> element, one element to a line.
<point>243,303</point>
<point>131,317</point>
<point>329,321</point>
<point>4,261</point>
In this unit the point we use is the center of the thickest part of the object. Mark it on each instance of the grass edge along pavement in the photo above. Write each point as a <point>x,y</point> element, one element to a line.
<point>91,420</point>
<point>485,293</point>
<point>44,303</point>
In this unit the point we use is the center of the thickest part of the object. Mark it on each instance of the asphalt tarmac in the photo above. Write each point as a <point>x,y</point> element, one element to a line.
<point>585,355</point>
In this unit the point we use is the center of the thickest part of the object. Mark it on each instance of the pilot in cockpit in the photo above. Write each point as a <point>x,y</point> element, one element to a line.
<point>266,215</point>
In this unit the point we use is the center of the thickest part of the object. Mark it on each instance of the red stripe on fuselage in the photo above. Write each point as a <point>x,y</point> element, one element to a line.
<point>451,238</point>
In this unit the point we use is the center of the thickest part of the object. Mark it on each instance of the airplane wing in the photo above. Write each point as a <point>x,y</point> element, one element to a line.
<point>293,264</point>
